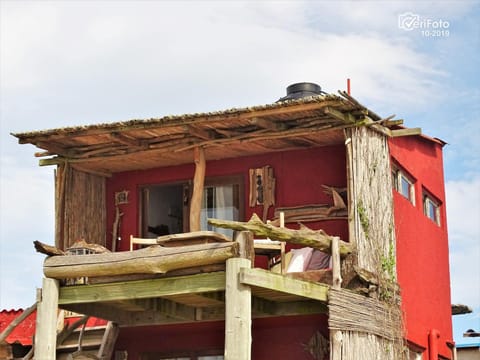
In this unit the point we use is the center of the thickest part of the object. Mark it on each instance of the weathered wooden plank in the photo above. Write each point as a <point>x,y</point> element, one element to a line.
<point>406,132</point>
<point>345,117</point>
<point>269,280</point>
<point>238,313</point>
<point>153,260</point>
<point>157,318</point>
<point>172,273</point>
<point>268,124</point>
<point>108,341</point>
<point>265,308</point>
<point>101,310</point>
<point>46,322</point>
<point>200,132</point>
<point>142,289</point>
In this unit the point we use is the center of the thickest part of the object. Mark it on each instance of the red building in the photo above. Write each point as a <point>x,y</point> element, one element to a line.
<point>323,160</point>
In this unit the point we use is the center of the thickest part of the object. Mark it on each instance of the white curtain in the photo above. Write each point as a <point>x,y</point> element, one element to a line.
<point>221,208</point>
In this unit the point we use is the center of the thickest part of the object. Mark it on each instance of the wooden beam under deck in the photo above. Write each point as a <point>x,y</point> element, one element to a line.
<point>280,283</point>
<point>193,298</point>
<point>142,289</point>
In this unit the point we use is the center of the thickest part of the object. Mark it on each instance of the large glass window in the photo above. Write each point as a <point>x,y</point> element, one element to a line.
<point>165,208</point>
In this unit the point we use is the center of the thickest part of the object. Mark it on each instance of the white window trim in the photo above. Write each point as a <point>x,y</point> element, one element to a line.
<point>399,176</point>
<point>428,200</point>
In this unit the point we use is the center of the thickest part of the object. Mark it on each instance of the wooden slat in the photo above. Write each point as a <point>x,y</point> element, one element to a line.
<point>406,132</point>
<point>142,289</point>
<point>345,117</point>
<point>264,308</point>
<point>283,284</point>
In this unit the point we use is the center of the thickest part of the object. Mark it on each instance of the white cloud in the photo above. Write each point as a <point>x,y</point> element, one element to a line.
<point>162,51</point>
<point>68,63</point>
<point>463,214</point>
<point>26,214</point>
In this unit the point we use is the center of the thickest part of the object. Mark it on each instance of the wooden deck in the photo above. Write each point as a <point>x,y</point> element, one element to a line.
<point>192,298</point>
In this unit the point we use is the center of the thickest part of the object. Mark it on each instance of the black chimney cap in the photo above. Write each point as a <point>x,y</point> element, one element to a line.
<point>301,90</point>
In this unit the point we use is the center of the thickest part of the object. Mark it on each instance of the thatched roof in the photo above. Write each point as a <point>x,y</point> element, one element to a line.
<point>169,140</point>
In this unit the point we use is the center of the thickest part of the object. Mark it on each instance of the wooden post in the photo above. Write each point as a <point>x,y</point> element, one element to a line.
<point>336,265</point>
<point>46,323</point>
<point>238,311</point>
<point>336,335</point>
<point>245,245</point>
<point>198,183</point>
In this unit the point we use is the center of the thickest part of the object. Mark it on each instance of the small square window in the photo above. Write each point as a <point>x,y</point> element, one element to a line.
<point>431,209</point>
<point>404,185</point>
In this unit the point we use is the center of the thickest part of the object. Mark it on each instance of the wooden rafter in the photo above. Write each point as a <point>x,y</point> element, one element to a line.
<point>199,132</point>
<point>125,139</point>
<point>345,117</point>
<point>268,124</point>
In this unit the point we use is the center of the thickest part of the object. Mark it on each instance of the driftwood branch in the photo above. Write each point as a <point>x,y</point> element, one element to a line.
<point>47,249</point>
<point>151,260</point>
<point>317,239</point>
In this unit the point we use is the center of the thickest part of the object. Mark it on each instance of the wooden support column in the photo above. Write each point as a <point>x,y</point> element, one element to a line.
<point>46,323</point>
<point>238,311</point>
<point>336,265</point>
<point>198,183</point>
<point>336,335</point>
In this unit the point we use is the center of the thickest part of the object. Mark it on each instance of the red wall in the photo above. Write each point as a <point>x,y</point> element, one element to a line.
<point>273,338</point>
<point>422,245</point>
<point>299,179</point>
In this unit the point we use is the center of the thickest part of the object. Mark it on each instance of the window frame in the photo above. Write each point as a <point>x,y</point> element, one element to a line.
<point>239,180</point>
<point>399,176</point>
<point>430,202</point>
<point>144,198</point>
<point>415,352</point>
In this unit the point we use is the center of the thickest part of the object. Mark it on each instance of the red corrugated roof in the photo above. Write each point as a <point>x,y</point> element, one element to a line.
<point>24,332</point>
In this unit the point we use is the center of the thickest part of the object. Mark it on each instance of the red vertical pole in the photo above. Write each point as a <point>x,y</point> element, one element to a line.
<point>348,86</point>
<point>433,337</point>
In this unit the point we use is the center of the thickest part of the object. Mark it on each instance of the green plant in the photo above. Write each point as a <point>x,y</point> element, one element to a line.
<point>388,262</point>
<point>362,214</point>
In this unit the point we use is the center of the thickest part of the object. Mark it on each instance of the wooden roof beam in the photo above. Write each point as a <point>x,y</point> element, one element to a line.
<point>125,140</point>
<point>199,133</point>
<point>345,117</point>
<point>267,124</point>
<point>388,123</point>
<point>406,132</point>
<point>169,121</point>
<point>53,148</point>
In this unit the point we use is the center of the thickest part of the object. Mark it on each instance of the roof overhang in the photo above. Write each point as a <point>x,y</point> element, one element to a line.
<point>141,144</point>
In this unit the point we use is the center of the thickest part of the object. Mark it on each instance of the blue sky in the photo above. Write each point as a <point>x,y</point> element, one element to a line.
<point>69,63</point>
